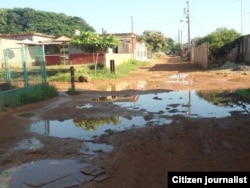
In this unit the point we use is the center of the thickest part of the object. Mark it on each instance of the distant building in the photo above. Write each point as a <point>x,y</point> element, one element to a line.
<point>35,37</point>
<point>59,51</point>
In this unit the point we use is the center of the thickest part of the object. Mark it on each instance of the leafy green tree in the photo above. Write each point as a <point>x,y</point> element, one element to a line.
<point>93,124</point>
<point>27,20</point>
<point>91,42</point>
<point>219,38</point>
<point>154,39</point>
<point>171,45</point>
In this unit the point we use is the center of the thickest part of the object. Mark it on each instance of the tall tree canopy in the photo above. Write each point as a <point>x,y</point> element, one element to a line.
<point>219,38</point>
<point>154,39</point>
<point>27,20</point>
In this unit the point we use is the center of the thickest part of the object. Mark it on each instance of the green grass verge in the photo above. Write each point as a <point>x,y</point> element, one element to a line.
<point>44,92</point>
<point>27,95</point>
<point>121,70</point>
<point>243,93</point>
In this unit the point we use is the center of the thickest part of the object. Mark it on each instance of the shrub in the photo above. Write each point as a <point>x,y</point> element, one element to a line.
<point>44,92</point>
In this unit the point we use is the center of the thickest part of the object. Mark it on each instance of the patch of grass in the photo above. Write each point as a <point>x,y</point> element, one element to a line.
<point>99,66</point>
<point>44,92</point>
<point>243,94</point>
<point>121,70</point>
<point>62,77</point>
<point>125,68</point>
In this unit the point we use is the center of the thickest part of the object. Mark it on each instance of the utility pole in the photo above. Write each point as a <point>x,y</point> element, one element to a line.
<point>241,17</point>
<point>187,14</point>
<point>132,24</point>
<point>179,36</point>
<point>188,21</point>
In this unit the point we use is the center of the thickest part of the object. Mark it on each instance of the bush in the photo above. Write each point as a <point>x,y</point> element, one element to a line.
<point>243,93</point>
<point>44,92</point>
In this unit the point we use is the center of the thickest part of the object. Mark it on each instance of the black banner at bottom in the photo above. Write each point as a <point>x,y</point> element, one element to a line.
<point>208,179</point>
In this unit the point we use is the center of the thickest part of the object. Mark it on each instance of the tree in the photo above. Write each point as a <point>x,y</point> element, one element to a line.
<point>171,46</point>
<point>219,38</point>
<point>154,39</point>
<point>93,124</point>
<point>91,42</point>
<point>27,20</point>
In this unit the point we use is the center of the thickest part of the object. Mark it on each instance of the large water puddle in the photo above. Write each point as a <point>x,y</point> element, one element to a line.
<point>51,173</point>
<point>157,108</point>
<point>86,129</point>
<point>190,103</point>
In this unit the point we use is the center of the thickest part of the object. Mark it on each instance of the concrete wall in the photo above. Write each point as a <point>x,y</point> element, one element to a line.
<point>246,49</point>
<point>15,54</point>
<point>118,58</point>
<point>124,48</point>
<point>141,52</point>
<point>130,40</point>
<point>199,55</point>
<point>85,58</point>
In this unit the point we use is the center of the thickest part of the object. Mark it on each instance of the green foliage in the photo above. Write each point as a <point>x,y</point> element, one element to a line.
<point>101,73</point>
<point>27,20</point>
<point>226,98</point>
<point>99,66</point>
<point>60,76</point>
<point>220,38</point>
<point>93,43</point>
<point>243,93</point>
<point>171,45</point>
<point>154,40</point>
<point>44,92</point>
<point>29,95</point>
<point>93,124</point>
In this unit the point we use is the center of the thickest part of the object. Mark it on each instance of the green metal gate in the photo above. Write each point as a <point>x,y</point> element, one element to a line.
<point>24,66</point>
<point>22,69</point>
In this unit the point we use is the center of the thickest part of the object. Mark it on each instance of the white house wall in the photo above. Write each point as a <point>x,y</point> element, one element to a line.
<point>118,58</point>
<point>6,43</point>
<point>15,59</point>
<point>141,52</point>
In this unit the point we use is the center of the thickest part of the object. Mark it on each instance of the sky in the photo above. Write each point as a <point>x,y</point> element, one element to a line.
<point>122,16</point>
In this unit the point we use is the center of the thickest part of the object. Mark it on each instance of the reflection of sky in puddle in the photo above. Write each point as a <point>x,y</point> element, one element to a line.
<point>67,128</point>
<point>91,148</point>
<point>177,102</point>
<point>158,109</point>
<point>85,106</point>
<point>31,144</point>
<point>47,173</point>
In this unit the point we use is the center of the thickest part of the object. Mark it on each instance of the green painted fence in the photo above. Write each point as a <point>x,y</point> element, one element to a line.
<point>23,70</point>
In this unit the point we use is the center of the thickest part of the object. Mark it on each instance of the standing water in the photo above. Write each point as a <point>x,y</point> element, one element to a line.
<point>160,106</point>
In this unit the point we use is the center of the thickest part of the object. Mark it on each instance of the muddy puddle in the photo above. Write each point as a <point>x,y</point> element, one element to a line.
<point>51,173</point>
<point>28,144</point>
<point>158,109</point>
<point>86,129</point>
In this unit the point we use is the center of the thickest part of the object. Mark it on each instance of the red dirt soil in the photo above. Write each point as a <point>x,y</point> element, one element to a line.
<point>141,157</point>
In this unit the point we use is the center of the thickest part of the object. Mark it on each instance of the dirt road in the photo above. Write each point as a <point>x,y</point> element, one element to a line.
<point>141,157</point>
